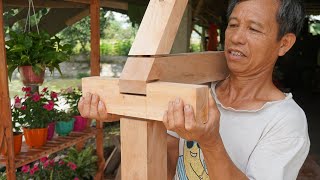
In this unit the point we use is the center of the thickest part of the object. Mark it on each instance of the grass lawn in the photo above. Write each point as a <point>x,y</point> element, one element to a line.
<point>56,85</point>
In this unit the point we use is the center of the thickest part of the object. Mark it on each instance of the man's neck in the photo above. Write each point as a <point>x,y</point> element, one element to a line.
<point>248,92</point>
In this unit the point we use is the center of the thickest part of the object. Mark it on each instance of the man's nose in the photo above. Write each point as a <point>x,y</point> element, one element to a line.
<point>239,36</point>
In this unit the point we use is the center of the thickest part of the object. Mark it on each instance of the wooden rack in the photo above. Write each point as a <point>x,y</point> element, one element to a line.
<point>28,155</point>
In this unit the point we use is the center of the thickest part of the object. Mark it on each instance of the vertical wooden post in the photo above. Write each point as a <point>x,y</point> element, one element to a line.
<point>95,37</point>
<point>5,115</point>
<point>143,149</point>
<point>95,71</point>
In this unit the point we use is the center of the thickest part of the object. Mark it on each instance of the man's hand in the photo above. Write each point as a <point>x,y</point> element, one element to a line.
<point>91,107</point>
<point>180,119</point>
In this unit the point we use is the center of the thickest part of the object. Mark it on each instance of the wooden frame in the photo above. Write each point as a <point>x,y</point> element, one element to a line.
<point>140,96</point>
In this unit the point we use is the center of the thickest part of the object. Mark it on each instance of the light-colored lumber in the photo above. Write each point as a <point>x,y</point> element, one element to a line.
<point>189,68</point>
<point>95,37</point>
<point>99,144</point>
<point>143,150</point>
<point>153,105</point>
<point>159,27</point>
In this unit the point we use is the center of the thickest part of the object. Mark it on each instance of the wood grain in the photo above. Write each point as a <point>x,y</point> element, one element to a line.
<point>143,149</point>
<point>159,27</point>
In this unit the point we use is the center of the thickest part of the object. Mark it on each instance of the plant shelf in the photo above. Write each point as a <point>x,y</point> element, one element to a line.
<point>28,155</point>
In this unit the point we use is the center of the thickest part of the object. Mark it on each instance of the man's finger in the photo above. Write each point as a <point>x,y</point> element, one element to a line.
<point>80,106</point>
<point>165,120</point>
<point>94,107</point>
<point>102,111</point>
<point>178,114</point>
<point>190,121</point>
<point>86,105</point>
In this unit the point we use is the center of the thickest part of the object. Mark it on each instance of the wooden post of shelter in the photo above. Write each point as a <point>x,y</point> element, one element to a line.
<point>6,135</point>
<point>140,96</point>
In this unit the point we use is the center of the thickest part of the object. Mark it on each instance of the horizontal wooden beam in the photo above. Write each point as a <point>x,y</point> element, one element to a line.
<point>44,4</point>
<point>154,104</point>
<point>105,3</point>
<point>189,68</point>
<point>77,17</point>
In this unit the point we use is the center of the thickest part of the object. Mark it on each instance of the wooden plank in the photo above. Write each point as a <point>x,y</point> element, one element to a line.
<point>43,4</point>
<point>149,106</point>
<point>160,93</point>
<point>95,37</point>
<point>28,155</point>
<point>100,153</point>
<point>105,3</point>
<point>159,27</point>
<point>143,150</point>
<point>189,68</point>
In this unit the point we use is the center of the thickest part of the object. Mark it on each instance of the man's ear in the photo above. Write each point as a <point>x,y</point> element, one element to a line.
<point>286,43</point>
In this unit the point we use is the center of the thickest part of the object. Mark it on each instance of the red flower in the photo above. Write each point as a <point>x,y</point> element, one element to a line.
<point>36,97</point>
<point>17,99</point>
<point>25,168</point>
<point>27,95</point>
<point>49,106</point>
<point>26,89</point>
<point>45,89</point>
<point>46,164</point>
<point>72,165</point>
<point>76,178</point>
<point>34,169</point>
<point>44,159</point>
<point>54,95</point>
<point>61,162</point>
<point>23,108</point>
<point>17,102</point>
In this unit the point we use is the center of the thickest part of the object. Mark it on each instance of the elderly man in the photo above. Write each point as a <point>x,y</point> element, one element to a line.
<point>254,131</point>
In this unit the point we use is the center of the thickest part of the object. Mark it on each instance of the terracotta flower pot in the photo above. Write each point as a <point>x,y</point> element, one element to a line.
<point>17,142</point>
<point>51,128</point>
<point>36,137</point>
<point>63,128</point>
<point>80,123</point>
<point>28,77</point>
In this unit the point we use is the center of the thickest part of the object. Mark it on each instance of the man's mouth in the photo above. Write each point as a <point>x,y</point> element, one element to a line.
<point>237,53</point>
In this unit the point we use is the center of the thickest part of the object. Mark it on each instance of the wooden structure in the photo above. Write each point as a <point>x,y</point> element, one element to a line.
<point>150,79</point>
<point>6,136</point>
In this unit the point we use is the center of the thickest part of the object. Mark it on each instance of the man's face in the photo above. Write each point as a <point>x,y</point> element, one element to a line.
<point>251,45</point>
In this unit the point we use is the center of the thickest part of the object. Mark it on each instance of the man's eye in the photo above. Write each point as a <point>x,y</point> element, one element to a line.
<point>255,30</point>
<point>233,25</point>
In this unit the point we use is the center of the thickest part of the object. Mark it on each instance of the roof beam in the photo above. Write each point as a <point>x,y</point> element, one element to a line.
<point>105,3</point>
<point>44,4</point>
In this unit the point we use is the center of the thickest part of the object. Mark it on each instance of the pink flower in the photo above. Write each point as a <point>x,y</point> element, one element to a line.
<point>23,108</point>
<point>61,162</point>
<point>76,178</point>
<point>72,165</point>
<point>36,97</point>
<point>49,106</point>
<point>54,95</point>
<point>17,102</point>
<point>45,89</point>
<point>46,164</point>
<point>25,168</point>
<point>27,95</point>
<point>34,169</point>
<point>26,89</point>
<point>44,159</point>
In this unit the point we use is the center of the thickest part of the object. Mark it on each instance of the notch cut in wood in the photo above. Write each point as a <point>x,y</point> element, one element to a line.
<point>188,68</point>
<point>154,104</point>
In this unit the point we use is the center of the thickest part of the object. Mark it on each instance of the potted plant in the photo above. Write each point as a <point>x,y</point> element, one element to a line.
<point>32,53</point>
<point>49,168</point>
<point>72,96</point>
<point>38,110</point>
<point>16,109</point>
<point>64,123</point>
